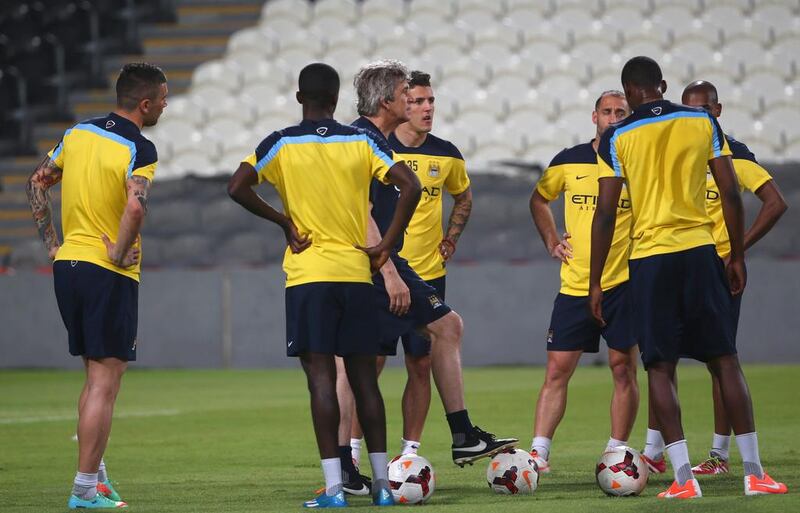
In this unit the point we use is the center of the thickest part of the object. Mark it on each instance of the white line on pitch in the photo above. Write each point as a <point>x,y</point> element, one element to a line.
<point>57,418</point>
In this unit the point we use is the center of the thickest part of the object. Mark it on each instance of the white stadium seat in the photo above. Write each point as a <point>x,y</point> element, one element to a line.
<point>181,107</point>
<point>736,119</point>
<point>218,73</point>
<point>282,28</point>
<point>623,18</point>
<point>253,39</point>
<point>777,18</point>
<point>419,9</point>
<point>746,51</point>
<point>345,10</point>
<point>391,9</point>
<point>283,11</point>
<point>525,18</point>
<point>768,86</point>
<point>576,19</point>
<point>784,57</point>
<point>479,15</point>
<point>783,119</point>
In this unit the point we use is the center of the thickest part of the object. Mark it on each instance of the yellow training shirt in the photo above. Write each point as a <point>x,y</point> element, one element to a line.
<point>574,172</point>
<point>98,157</point>
<point>439,165</point>
<point>662,151</point>
<point>751,177</point>
<point>322,171</point>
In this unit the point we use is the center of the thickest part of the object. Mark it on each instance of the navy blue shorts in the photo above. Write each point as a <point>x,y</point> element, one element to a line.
<point>572,328</point>
<point>100,309</point>
<point>427,306</point>
<point>682,306</point>
<point>414,343</point>
<point>331,318</point>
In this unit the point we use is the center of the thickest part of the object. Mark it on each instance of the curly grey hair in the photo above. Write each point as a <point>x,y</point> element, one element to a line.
<point>376,82</point>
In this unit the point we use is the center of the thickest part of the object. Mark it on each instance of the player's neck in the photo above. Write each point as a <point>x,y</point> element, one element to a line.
<point>312,114</point>
<point>652,97</point>
<point>386,126</point>
<point>409,137</point>
<point>596,142</point>
<point>130,116</point>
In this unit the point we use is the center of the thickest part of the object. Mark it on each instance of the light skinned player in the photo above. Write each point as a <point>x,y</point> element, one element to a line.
<point>440,167</point>
<point>105,166</point>
<point>573,172</point>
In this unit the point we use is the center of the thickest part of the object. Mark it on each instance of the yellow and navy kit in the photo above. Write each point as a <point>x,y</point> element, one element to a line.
<point>751,177</point>
<point>97,157</point>
<point>322,171</point>
<point>439,165</point>
<point>662,151</point>
<point>574,172</point>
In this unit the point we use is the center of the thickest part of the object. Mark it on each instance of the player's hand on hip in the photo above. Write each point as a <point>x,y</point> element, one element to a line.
<point>52,252</point>
<point>378,255</point>
<point>296,241</point>
<point>596,305</point>
<point>563,250</point>
<point>129,259</point>
<point>737,276</point>
<point>447,248</point>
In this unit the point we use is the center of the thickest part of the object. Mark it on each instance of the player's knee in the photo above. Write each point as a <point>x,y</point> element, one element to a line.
<point>419,368</point>
<point>557,374</point>
<point>455,325</point>
<point>624,372</point>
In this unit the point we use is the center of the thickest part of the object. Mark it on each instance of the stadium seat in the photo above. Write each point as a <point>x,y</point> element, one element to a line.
<point>490,150</point>
<point>543,152</point>
<point>508,87</point>
<point>218,73</point>
<point>776,20</point>
<point>783,119</point>
<point>458,85</point>
<point>392,9</point>
<point>574,124</point>
<point>282,11</point>
<point>263,73</point>
<point>593,53</point>
<point>445,49</point>
<point>642,44</point>
<point>769,87</point>
<point>622,18</point>
<point>743,51</point>
<point>545,57</point>
<point>478,15</point>
<point>418,10</point>
<point>253,39</point>
<point>375,23</point>
<point>181,107</point>
<point>226,133</point>
<point>558,86</point>
<point>513,7</point>
<point>492,45</point>
<point>301,48</point>
<point>253,62</point>
<point>736,119</point>
<point>175,136</point>
<point>575,19</point>
<point>784,57</point>
<point>283,28</point>
<point>330,16</point>
<point>401,44</point>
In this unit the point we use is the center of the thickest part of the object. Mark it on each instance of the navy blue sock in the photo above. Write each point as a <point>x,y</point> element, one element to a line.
<point>349,471</point>
<point>460,426</point>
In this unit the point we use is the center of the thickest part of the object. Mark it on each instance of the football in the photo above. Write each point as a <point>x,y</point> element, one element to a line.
<point>411,478</point>
<point>621,472</point>
<point>513,472</point>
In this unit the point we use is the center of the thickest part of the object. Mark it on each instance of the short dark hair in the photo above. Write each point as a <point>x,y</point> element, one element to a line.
<point>419,78</point>
<point>319,83</point>
<point>642,72</point>
<point>610,92</point>
<point>138,81</point>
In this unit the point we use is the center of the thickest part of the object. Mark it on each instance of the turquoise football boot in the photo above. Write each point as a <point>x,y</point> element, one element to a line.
<point>324,500</point>
<point>107,490</point>
<point>96,502</point>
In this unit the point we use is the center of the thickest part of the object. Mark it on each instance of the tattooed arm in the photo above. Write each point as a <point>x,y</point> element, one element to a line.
<point>122,253</point>
<point>45,176</point>
<point>458,221</point>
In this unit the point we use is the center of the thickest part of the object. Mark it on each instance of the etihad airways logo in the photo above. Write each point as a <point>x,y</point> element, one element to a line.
<point>591,200</point>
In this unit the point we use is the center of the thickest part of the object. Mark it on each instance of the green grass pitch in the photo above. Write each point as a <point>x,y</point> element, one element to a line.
<point>242,441</point>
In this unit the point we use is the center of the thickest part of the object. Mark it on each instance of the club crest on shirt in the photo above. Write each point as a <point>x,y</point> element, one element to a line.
<point>433,169</point>
<point>435,301</point>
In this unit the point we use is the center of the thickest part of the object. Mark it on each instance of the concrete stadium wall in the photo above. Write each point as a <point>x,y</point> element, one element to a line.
<point>234,318</point>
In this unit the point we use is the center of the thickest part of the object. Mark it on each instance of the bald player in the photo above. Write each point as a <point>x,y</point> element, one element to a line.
<point>754,178</point>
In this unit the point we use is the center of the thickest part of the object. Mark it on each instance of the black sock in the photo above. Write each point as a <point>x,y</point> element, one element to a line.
<point>460,426</point>
<point>349,471</point>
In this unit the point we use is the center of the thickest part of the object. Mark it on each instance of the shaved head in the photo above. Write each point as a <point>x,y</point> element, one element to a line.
<point>702,93</point>
<point>701,87</point>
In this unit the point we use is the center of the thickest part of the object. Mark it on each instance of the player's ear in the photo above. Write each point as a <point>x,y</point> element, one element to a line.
<point>663,87</point>
<point>594,117</point>
<point>719,109</point>
<point>298,97</point>
<point>144,105</point>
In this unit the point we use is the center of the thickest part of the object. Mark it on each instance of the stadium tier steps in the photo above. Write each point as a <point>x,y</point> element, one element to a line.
<point>190,33</point>
<point>515,80</point>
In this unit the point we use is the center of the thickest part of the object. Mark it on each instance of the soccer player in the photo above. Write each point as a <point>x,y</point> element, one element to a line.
<point>680,294</point>
<point>322,171</point>
<point>439,166</point>
<point>105,165</point>
<point>407,302</point>
<point>572,330</point>
<point>753,177</point>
